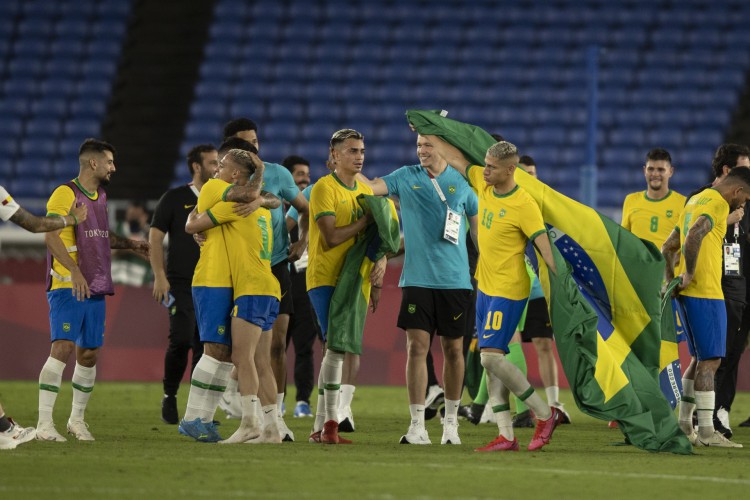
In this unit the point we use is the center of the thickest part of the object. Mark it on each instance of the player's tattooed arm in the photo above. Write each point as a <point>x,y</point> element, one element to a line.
<point>670,250</point>
<point>251,190</point>
<point>692,246</point>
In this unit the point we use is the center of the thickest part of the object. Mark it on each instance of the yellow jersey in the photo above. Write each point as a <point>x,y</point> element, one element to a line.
<point>249,244</point>
<point>330,196</point>
<point>706,282</point>
<point>212,269</point>
<point>60,203</point>
<point>649,219</point>
<point>506,223</point>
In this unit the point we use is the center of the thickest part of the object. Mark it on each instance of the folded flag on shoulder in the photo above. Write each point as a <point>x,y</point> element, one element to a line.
<point>605,306</point>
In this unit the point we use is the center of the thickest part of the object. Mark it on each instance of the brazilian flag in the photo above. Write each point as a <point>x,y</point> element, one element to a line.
<point>348,309</point>
<point>605,308</point>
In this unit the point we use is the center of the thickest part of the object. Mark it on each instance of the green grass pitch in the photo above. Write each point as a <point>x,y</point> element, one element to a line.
<point>135,455</point>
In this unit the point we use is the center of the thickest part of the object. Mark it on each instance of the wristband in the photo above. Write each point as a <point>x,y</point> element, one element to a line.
<point>65,222</point>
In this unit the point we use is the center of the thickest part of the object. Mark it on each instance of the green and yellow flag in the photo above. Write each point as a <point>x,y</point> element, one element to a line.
<point>606,311</point>
<point>348,309</point>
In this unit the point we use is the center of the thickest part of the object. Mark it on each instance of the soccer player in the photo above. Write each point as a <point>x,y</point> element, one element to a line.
<point>278,182</point>
<point>652,214</point>
<point>436,287</point>
<point>170,217</point>
<point>213,297</point>
<point>699,236</point>
<point>338,221</point>
<point>733,287</point>
<point>256,293</point>
<point>508,219</point>
<point>78,278</point>
<point>12,434</point>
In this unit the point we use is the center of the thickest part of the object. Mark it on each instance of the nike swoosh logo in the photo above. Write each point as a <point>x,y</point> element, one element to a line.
<point>456,317</point>
<point>203,436</point>
<point>419,411</point>
<point>416,187</point>
<point>189,206</point>
<point>488,336</point>
<point>284,294</point>
<point>267,412</point>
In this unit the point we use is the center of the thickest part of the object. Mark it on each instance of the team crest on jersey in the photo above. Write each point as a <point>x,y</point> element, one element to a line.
<point>669,213</point>
<point>412,308</point>
<point>452,189</point>
<point>501,213</point>
<point>221,330</point>
<point>66,327</point>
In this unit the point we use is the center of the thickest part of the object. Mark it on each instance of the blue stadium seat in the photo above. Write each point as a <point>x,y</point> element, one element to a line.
<point>29,187</point>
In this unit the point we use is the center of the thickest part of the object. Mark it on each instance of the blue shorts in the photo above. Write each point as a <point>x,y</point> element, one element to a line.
<point>259,310</point>
<point>679,321</point>
<point>320,297</point>
<point>81,322</point>
<point>213,306</point>
<point>497,319</point>
<point>705,326</point>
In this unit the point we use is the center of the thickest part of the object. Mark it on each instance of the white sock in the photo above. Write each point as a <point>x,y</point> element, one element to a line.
<point>249,411</point>
<point>451,410</point>
<point>320,406</point>
<point>50,379</point>
<point>333,363</point>
<point>270,417</point>
<point>417,415</point>
<point>279,402</point>
<point>232,386</point>
<point>218,386</point>
<point>514,380</point>
<point>83,384</point>
<point>553,395</point>
<point>498,399</point>
<point>346,396</point>
<point>201,380</point>
<point>687,405</point>
<point>704,402</point>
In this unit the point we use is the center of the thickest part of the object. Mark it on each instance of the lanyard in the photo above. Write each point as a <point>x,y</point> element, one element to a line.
<point>437,187</point>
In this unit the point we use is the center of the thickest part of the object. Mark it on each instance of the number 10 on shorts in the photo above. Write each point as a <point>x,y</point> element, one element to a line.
<point>494,320</point>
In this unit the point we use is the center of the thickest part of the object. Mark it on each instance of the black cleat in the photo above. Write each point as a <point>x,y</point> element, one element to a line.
<point>169,410</point>
<point>523,419</point>
<point>719,427</point>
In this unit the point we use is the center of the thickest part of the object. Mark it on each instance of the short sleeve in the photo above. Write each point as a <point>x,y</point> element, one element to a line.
<point>475,176</point>
<point>532,222</point>
<point>322,201</point>
<point>472,204</point>
<point>163,213</point>
<point>626,213</point>
<point>8,206</point>
<point>292,214</point>
<point>211,193</point>
<point>288,190</point>
<point>223,212</point>
<point>392,180</point>
<point>61,201</point>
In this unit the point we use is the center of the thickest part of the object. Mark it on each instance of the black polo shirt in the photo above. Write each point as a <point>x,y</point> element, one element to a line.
<point>170,217</point>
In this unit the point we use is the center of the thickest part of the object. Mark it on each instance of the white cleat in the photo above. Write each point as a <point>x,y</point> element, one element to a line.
<point>270,435</point>
<point>16,435</point>
<point>417,434</point>
<point>47,432</point>
<point>450,433</point>
<point>693,438</point>
<point>346,419</point>
<point>285,433</point>
<point>717,440</point>
<point>80,430</point>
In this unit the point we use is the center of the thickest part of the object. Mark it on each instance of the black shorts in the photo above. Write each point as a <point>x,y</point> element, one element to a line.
<point>537,325</point>
<point>435,310</point>
<point>281,271</point>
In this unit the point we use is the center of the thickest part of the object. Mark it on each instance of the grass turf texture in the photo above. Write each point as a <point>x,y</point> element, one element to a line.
<point>136,455</point>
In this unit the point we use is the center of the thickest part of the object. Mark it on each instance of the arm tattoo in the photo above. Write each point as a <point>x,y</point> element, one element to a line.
<point>693,241</point>
<point>36,224</point>
<point>669,250</point>
<point>270,201</point>
<point>119,243</point>
<point>248,192</point>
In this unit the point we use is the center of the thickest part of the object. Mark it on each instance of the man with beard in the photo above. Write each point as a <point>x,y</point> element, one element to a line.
<point>173,286</point>
<point>78,278</point>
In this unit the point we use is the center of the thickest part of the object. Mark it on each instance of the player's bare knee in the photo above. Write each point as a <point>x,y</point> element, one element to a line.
<point>61,350</point>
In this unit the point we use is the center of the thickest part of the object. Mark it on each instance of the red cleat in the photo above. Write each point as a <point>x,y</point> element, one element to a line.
<point>544,429</point>
<point>612,424</point>
<point>314,437</point>
<point>500,444</point>
<point>330,434</point>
